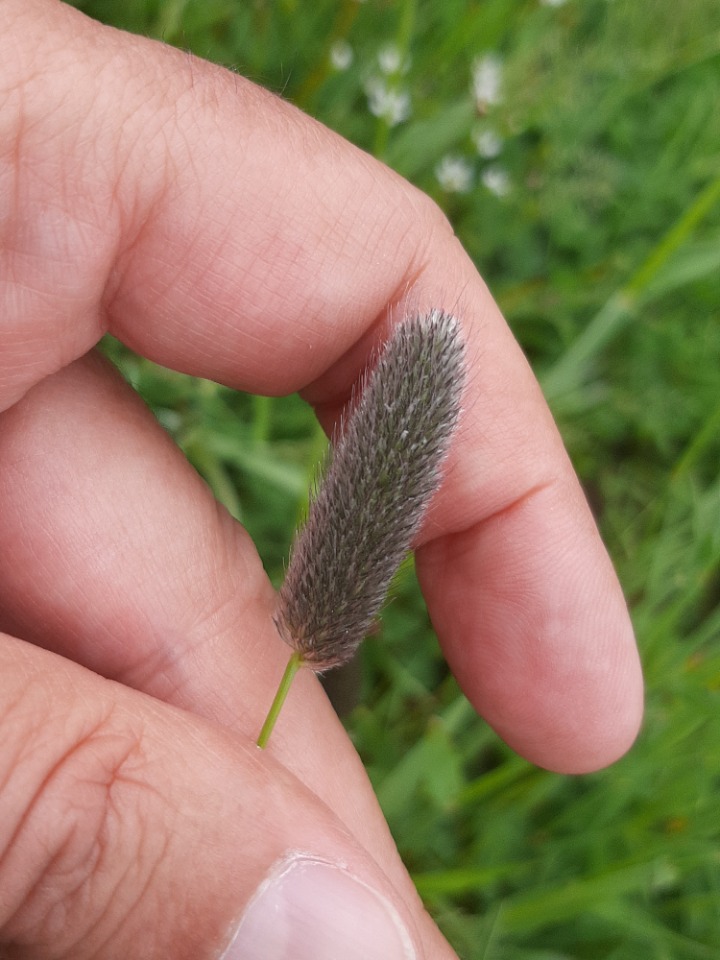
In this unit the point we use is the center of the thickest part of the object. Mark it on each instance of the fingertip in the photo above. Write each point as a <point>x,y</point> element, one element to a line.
<point>601,729</point>
<point>534,625</point>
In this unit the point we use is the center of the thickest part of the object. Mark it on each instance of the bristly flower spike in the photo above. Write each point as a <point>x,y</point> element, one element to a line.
<point>380,479</point>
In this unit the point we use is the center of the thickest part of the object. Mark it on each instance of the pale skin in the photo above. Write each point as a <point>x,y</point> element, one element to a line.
<point>218,231</point>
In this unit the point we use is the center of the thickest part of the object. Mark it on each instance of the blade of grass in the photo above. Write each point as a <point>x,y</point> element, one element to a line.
<point>466,880</point>
<point>571,370</point>
<point>547,905</point>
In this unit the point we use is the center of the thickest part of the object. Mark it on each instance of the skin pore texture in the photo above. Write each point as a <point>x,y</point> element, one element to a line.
<point>217,230</point>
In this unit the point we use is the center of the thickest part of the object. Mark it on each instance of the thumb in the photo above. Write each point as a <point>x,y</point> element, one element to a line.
<point>129,828</point>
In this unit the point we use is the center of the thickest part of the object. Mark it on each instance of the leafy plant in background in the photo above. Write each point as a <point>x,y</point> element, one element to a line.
<point>576,147</point>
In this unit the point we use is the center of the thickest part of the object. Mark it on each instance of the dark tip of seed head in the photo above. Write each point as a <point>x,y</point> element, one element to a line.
<point>379,482</point>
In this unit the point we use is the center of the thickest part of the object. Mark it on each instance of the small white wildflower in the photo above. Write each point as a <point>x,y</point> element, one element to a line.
<point>486,79</point>
<point>375,88</point>
<point>488,143</point>
<point>496,180</point>
<point>341,55</point>
<point>170,419</point>
<point>454,174</point>
<point>391,61</point>
<point>391,105</point>
<point>552,3</point>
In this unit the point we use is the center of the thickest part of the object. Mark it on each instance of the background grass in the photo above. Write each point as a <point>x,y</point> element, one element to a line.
<point>597,226</point>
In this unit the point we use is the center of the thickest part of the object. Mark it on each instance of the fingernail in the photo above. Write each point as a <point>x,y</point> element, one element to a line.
<point>309,909</point>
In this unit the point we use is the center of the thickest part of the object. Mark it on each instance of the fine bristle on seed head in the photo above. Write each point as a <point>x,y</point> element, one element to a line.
<point>381,477</point>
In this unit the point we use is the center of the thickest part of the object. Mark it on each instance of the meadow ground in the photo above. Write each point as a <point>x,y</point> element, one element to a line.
<point>576,148</point>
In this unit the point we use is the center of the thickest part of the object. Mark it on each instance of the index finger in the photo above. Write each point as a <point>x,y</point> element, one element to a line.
<point>219,231</point>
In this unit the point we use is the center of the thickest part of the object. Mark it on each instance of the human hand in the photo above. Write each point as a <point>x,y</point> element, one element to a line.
<point>218,231</point>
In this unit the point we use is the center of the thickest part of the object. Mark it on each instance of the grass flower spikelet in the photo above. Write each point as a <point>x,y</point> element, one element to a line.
<point>380,479</point>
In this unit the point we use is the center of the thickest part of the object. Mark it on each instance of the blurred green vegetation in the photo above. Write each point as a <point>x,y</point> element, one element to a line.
<point>582,175</point>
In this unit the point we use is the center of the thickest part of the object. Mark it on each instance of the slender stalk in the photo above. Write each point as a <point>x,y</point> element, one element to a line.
<point>294,664</point>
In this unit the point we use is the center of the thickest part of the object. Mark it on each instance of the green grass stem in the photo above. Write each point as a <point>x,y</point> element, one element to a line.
<point>293,665</point>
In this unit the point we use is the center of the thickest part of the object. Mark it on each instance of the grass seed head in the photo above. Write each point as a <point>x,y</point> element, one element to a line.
<point>381,476</point>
